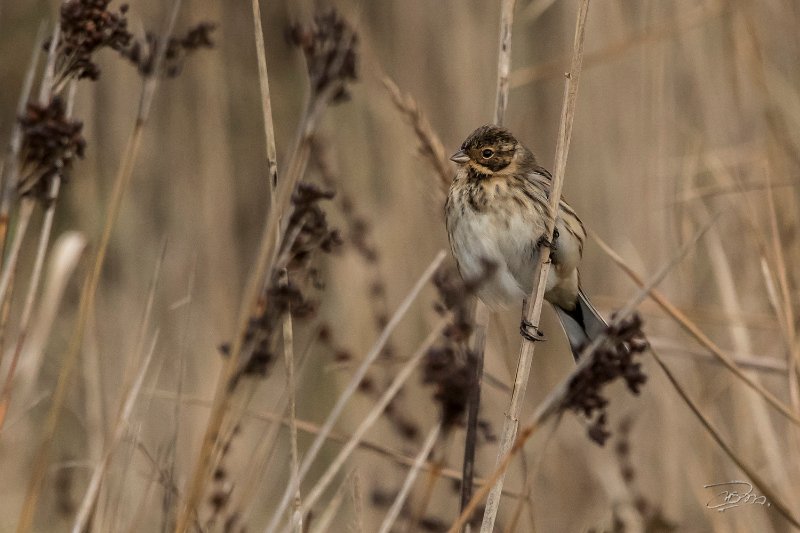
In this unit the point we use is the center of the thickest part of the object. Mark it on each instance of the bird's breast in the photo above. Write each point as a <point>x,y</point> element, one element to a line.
<point>489,221</point>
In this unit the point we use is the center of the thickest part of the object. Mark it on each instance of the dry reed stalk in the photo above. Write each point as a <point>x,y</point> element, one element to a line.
<point>323,523</point>
<point>782,306</point>
<point>266,260</point>
<point>351,388</point>
<point>65,256</point>
<point>9,267</point>
<point>27,203</point>
<point>758,363</point>
<point>131,388</point>
<point>89,501</point>
<point>478,347</point>
<point>525,498</point>
<point>553,404</point>
<point>10,169</point>
<point>421,506</point>
<point>691,328</point>
<point>787,301</point>
<point>481,315</point>
<point>33,285</point>
<point>272,173</point>
<point>419,460</point>
<point>266,101</point>
<point>357,525</point>
<point>553,69</point>
<point>121,181</point>
<point>752,414</point>
<point>314,429</point>
<point>772,497</point>
<point>374,414</point>
<point>288,357</point>
<point>535,300</point>
<point>263,453</point>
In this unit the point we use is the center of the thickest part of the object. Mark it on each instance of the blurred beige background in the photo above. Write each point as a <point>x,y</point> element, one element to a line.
<point>686,108</point>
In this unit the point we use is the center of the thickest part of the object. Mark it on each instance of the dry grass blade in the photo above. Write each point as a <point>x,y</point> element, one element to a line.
<point>504,60</point>
<point>11,167</point>
<point>786,299</point>
<point>481,314</point>
<point>92,492</point>
<point>535,300</point>
<point>772,497</point>
<point>430,144</point>
<point>333,416</point>
<point>263,453</point>
<point>553,403</point>
<point>67,251</point>
<point>90,288</point>
<point>374,414</point>
<point>266,101</point>
<point>10,265</point>
<point>314,429</point>
<point>766,364</point>
<point>553,69</point>
<point>288,353</point>
<point>264,263</point>
<point>394,510</point>
<point>323,524</point>
<point>701,337</point>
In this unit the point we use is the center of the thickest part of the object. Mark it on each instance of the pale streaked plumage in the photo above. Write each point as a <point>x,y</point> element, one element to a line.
<point>496,210</point>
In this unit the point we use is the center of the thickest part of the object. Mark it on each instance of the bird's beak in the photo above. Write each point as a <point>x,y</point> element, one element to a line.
<point>459,157</point>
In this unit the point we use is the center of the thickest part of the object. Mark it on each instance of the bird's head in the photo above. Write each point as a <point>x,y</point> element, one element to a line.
<point>492,150</point>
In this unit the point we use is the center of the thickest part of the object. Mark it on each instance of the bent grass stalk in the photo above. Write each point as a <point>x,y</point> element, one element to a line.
<point>419,460</point>
<point>481,314</point>
<point>691,328</point>
<point>351,389</point>
<point>90,288</point>
<point>535,300</point>
<point>552,404</point>
<point>265,261</point>
<point>373,416</point>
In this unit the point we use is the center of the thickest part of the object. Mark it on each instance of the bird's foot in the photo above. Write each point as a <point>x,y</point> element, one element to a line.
<point>544,241</point>
<point>530,332</point>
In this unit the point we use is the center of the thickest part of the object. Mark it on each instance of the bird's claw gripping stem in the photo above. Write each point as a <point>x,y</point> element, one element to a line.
<point>530,332</point>
<point>544,241</point>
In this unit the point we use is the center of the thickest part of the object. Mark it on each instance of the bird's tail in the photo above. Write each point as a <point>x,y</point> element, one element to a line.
<point>581,324</point>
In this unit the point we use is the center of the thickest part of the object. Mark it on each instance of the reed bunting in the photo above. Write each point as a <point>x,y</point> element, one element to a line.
<point>496,211</point>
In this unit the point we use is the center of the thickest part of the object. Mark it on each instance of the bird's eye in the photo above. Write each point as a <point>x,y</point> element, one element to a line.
<point>487,153</point>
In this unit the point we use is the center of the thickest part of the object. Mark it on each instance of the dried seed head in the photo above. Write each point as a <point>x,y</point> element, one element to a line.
<point>86,27</point>
<point>310,231</point>
<point>50,143</point>
<point>449,365</point>
<point>143,53</point>
<point>615,358</point>
<point>329,44</point>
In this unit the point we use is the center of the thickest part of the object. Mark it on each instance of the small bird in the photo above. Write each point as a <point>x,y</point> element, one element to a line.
<point>496,212</point>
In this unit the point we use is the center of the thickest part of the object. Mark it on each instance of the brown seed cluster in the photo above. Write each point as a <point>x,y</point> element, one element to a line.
<point>86,27</point>
<point>50,143</point>
<point>143,53</point>
<point>449,365</point>
<point>309,218</point>
<point>306,233</point>
<point>616,358</point>
<point>222,487</point>
<point>329,44</point>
